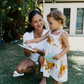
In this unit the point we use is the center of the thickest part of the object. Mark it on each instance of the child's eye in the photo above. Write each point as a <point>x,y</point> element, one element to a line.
<point>50,23</point>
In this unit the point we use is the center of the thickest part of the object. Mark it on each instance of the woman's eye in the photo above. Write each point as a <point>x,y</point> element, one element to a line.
<point>40,20</point>
<point>35,22</point>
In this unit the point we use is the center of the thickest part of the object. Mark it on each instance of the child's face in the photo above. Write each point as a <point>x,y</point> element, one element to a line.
<point>53,23</point>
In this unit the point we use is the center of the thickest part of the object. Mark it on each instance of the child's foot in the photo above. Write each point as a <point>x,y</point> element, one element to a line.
<point>43,80</point>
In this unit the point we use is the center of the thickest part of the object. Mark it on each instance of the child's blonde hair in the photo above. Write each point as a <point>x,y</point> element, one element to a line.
<point>56,14</point>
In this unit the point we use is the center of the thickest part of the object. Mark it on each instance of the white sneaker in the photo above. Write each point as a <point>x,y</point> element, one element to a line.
<point>16,74</point>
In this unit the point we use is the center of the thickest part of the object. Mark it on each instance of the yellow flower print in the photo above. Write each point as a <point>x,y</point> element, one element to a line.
<point>66,66</point>
<point>55,45</point>
<point>46,68</point>
<point>56,65</point>
<point>49,65</point>
<point>50,42</point>
<point>42,62</point>
<point>53,64</point>
<point>45,65</point>
<point>46,62</point>
<point>50,39</point>
<point>62,70</point>
<point>48,71</point>
<point>62,47</point>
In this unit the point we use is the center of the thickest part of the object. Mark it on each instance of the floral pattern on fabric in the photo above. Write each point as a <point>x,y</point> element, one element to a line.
<point>51,40</point>
<point>62,70</point>
<point>48,65</point>
<point>62,47</point>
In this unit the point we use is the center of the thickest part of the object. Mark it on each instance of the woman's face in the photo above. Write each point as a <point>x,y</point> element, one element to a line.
<point>37,22</point>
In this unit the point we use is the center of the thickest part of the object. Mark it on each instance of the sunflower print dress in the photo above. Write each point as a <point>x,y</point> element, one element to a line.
<point>58,69</point>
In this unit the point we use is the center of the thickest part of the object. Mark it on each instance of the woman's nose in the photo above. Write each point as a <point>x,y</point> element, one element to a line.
<point>38,23</point>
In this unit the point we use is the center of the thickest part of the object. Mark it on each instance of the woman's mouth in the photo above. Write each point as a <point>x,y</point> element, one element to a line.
<point>39,26</point>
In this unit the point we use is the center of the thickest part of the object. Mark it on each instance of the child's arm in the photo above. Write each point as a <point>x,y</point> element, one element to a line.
<point>65,44</point>
<point>37,39</point>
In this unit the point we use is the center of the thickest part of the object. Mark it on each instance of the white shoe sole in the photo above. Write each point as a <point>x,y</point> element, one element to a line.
<point>16,74</point>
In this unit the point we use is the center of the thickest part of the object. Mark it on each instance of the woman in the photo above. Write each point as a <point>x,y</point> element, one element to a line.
<point>35,30</point>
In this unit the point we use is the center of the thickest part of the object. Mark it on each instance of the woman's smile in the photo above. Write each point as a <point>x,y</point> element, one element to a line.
<point>39,26</point>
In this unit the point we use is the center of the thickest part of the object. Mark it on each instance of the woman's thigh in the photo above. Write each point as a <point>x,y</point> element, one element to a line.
<point>27,63</point>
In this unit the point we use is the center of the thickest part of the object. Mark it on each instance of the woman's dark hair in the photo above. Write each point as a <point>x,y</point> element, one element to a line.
<point>31,15</point>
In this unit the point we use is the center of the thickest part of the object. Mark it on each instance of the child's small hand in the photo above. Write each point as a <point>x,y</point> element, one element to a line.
<point>57,57</point>
<point>27,42</point>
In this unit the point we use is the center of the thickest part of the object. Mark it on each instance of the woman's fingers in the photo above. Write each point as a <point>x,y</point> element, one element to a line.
<point>35,50</point>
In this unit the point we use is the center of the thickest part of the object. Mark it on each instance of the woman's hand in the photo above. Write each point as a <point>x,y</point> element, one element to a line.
<point>35,50</point>
<point>57,57</point>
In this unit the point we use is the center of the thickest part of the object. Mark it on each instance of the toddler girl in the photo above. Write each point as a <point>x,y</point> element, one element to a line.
<point>57,42</point>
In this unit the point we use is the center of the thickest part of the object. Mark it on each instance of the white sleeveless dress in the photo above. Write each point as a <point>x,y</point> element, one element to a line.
<point>58,69</point>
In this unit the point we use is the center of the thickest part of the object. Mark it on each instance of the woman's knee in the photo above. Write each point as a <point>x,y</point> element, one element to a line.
<point>25,65</point>
<point>19,69</point>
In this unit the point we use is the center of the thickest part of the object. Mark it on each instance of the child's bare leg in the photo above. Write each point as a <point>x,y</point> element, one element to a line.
<point>56,82</point>
<point>43,80</point>
<point>40,61</point>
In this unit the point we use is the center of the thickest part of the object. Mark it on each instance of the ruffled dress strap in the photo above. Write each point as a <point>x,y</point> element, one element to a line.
<point>61,31</point>
<point>49,33</point>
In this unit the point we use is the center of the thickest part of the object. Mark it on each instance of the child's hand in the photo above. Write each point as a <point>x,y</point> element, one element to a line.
<point>27,42</point>
<point>57,57</point>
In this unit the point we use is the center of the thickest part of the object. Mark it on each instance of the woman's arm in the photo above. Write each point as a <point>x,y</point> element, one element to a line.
<point>36,50</point>
<point>39,51</point>
<point>37,39</point>
<point>66,46</point>
<point>27,52</point>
